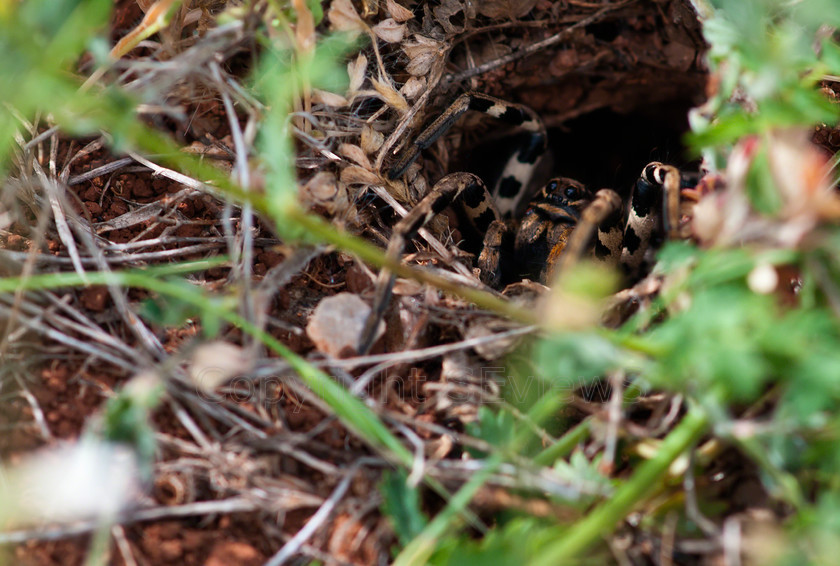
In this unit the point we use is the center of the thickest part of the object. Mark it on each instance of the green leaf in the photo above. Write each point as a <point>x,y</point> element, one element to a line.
<point>761,187</point>
<point>516,542</point>
<point>316,9</point>
<point>127,417</point>
<point>278,80</point>
<point>495,428</point>
<point>571,359</point>
<point>402,505</point>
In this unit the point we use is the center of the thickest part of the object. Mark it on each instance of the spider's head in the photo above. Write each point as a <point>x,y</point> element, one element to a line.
<point>565,193</point>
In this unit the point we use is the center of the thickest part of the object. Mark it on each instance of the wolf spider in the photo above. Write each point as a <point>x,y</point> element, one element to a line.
<point>560,223</point>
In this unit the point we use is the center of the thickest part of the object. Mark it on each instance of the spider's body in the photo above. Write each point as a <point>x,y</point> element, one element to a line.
<point>559,223</point>
<point>543,233</point>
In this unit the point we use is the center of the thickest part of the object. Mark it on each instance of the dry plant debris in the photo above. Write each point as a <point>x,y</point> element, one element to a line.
<point>247,462</point>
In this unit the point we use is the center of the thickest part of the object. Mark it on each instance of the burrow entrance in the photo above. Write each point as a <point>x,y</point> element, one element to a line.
<point>615,96</point>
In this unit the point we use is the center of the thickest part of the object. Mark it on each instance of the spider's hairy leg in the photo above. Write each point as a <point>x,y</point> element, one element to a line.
<point>465,187</point>
<point>655,203</point>
<point>510,191</point>
<point>489,261</point>
<point>520,165</point>
<point>668,177</point>
<point>644,219</point>
<point>602,214</point>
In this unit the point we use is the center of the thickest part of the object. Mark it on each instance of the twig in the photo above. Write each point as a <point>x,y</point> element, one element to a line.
<point>321,515</point>
<point>62,226</point>
<point>242,254</point>
<point>100,171</point>
<point>153,348</point>
<point>135,258</point>
<point>613,421</point>
<point>436,244</point>
<point>37,411</point>
<point>399,132</point>
<point>603,518</point>
<point>121,541</point>
<point>170,174</point>
<point>81,345</point>
<point>431,352</point>
<point>384,361</point>
<point>692,509</point>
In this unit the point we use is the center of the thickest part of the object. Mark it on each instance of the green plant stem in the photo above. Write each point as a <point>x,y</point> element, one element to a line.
<point>73,279</point>
<point>352,411</point>
<point>602,520</point>
<point>564,445</point>
<point>418,551</point>
<point>784,485</point>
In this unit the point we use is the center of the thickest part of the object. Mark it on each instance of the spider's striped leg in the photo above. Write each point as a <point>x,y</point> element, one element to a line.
<point>669,178</point>
<point>490,260</point>
<point>657,186</point>
<point>602,214</point>
<point>520,165</point>
<point>464,187</point>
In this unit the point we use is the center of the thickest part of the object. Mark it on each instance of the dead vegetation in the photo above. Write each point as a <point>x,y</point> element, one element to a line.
<point>251,463</point>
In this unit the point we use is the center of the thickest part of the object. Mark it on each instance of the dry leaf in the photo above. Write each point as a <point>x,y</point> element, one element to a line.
<point>353,174</point>
<point>343,17</point>
<point>407,287</point>
<point>454,11</point>
<point>323,190</point>
<point>355,153</point>
<point>330,99</point>
<point>389,31</point>
<point>391,97</point>
<point>356,71</point>
<point>799,169</point>
<point>398,12</point>
<point>322,187</point>
<point>422,54</point>
<point>505,9</point>
<point>371,140</point>
<point>413,87</point>
<point>707,220</point>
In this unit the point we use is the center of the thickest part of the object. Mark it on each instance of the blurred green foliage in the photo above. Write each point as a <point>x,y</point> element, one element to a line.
<point>402,505</point>
<point>710,337</point>
<point>126,419</point>
<point>772,53</point>
<point>278,80</point>
<point>40,41</point>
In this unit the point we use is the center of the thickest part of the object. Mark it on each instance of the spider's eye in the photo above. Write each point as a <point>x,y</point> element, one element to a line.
<point>551,187</point>
<point>571,192</point>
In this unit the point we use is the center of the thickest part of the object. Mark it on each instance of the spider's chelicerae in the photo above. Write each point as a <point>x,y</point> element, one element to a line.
<point>559,223</point>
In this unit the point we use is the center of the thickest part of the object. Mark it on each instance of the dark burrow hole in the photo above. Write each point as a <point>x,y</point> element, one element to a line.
<point>602,149</point>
